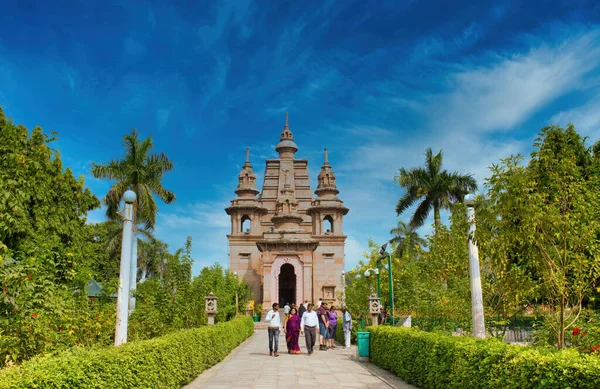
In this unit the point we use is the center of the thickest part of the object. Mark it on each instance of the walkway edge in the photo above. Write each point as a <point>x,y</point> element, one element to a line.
<point>207,374</point>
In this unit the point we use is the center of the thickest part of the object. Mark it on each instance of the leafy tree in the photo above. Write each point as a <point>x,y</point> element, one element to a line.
<point>435,188</point>
<point>47,252</point>
<point>544,226</point>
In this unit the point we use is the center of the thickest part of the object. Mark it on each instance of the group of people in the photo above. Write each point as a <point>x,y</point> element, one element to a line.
<point>306,320</point>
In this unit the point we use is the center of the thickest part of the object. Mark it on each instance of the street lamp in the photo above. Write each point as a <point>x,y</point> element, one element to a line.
<point>376,272</point>
<point>476,294</point>
<point>124,273</point>
<point>383,253</point>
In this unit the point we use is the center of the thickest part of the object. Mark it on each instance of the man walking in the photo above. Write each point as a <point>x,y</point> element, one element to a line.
<point>302,309</point>
<point>347,325</point>
<point>286,309</point>
<point>323,326</point>
<point>274,328</point>
<point>309,324</point>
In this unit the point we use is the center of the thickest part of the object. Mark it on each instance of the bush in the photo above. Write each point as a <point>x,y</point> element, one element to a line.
<point>169,361</point>
<point>431,360</point>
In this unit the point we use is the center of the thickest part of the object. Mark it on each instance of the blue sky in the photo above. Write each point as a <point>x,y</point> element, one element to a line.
<point>376,82</point>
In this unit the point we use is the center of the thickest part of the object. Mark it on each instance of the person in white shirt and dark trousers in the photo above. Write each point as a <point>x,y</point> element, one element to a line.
<point>347,325</point>
<point>274,328</point>
<point>308,325</point>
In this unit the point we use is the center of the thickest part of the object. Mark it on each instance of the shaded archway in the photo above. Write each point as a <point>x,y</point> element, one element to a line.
<point>246,224</point>
<point>328,224</point>
<point>287,285</point>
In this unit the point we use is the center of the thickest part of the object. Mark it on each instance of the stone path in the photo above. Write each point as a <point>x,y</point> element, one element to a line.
<point>250,366</point>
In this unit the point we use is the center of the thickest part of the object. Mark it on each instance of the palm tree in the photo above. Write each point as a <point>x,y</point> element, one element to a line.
<point>141,172</point>
<point>434,187</point>
<point>406,237</point>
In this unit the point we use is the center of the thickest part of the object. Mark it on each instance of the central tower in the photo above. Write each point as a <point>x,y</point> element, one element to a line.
<point>288,244</point>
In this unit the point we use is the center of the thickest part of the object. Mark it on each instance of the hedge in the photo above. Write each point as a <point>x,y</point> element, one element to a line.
<point>438,361</point>
<point>169,361</point>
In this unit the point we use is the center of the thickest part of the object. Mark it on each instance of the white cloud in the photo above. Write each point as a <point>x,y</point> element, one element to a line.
<point>480,103</point>
<point>586,119</point>
<point>205,215</point>
<point>354,250</point>
<point>508,91</point>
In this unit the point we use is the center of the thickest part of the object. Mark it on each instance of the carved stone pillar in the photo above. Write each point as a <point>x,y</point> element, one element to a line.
<point>374,308</point>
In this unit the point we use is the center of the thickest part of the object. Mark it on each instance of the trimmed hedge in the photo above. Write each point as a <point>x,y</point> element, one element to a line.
<point>436,361</point>
<point>169,361</point>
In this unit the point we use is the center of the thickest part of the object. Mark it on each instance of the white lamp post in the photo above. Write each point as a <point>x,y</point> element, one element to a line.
<point>476,294</point>
<point>133,269</point>
<point>123,292</point>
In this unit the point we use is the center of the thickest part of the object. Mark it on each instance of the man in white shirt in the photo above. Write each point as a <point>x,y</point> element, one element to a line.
<point>274,328</point>
<point>308,325</point>
<point>347,325</point>
<point>286,309</point>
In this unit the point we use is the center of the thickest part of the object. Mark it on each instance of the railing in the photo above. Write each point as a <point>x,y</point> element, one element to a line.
<point>517,329</point>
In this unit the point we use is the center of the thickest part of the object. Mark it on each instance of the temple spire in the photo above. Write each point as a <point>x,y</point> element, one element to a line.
<point>286,147</point>
<point>247,179</point>
<point>326,159</point>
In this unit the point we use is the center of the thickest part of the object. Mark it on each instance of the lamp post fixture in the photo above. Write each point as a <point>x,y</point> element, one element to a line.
<point>476,293</point>
<point>378,273</point>
<point>383,253</point>
<point>124,273</point>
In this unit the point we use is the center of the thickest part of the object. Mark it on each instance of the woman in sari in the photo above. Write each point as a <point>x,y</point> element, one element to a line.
<point>292,331</point>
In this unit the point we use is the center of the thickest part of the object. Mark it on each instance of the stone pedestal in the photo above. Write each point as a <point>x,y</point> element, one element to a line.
<point>211,308</point>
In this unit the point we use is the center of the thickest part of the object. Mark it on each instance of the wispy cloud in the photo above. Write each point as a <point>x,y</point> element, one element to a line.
<point>508,90</point>
<point>586,118</point>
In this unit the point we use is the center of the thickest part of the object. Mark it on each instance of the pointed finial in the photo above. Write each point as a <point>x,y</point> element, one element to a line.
<point>247,154</point>
<point>326,159</point>
<point>286,119</point>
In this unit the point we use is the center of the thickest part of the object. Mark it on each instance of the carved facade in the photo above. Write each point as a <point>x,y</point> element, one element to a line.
<point>288,243</point>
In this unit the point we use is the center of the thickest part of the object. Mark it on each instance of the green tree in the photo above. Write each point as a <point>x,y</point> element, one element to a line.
<point>543,220</point>
<point>141,172</point>
<point>406,239</point>
<point>138,171</point>
<point>436,189</point>
<point>47,252</point>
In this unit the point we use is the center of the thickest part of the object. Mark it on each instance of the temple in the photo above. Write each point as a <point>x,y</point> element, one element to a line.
<point>287,243</point>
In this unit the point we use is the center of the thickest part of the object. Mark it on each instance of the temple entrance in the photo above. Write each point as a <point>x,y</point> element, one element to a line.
<point>287,285</point>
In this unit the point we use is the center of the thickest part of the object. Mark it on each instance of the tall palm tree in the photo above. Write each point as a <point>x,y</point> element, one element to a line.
<point>143,173</point>
<point>434,187</point>
<point>406,238</point>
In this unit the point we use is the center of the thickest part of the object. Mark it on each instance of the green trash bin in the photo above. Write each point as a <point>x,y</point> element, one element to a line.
<point>362,341</point>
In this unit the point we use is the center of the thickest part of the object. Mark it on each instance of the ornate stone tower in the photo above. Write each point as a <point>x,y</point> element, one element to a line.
<point>288,244</point>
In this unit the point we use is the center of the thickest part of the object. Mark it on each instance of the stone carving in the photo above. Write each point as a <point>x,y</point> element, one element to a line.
<point>211,303</point>
<point>374,304</point>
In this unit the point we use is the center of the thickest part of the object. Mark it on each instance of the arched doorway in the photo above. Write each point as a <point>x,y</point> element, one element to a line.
<point>287,285</point>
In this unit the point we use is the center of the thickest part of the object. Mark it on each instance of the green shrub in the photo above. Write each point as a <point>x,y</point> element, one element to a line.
<point>169,361</point>
<point>438,361</point>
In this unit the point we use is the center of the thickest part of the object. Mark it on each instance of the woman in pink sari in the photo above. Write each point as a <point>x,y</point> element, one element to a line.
<point>292,331</point>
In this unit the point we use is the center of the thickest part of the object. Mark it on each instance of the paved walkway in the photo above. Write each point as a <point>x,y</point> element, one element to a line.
<point>250,366</point>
